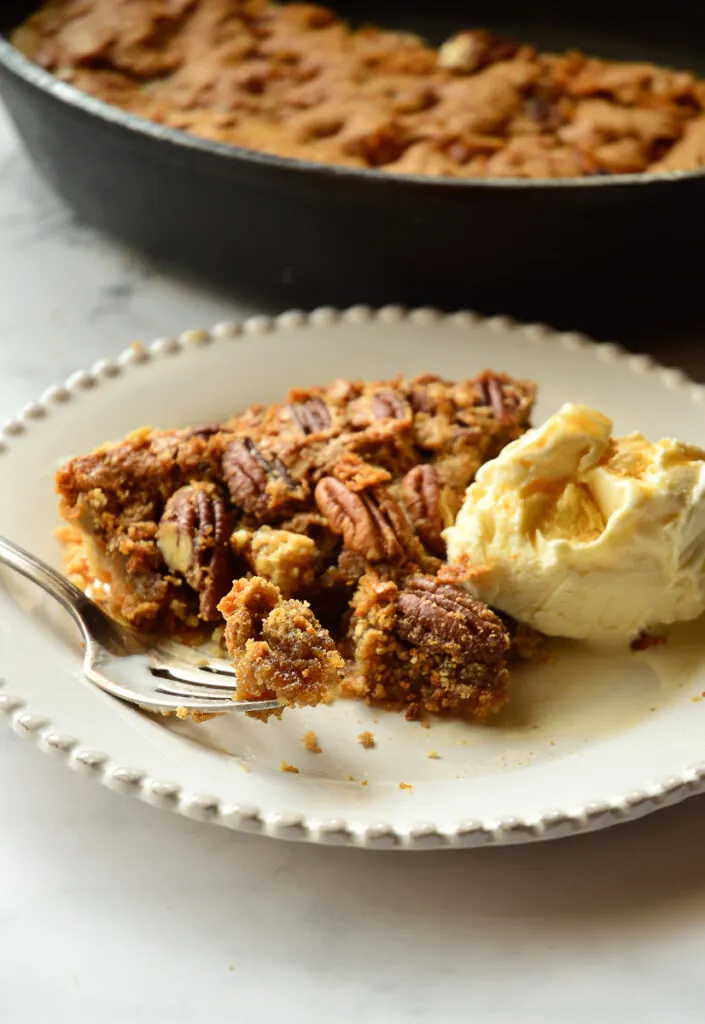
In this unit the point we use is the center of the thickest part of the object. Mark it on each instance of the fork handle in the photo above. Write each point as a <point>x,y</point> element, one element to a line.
<point>51,581</point>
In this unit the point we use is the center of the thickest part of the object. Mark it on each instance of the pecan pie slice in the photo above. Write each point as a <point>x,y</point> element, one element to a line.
<point>312,531</point>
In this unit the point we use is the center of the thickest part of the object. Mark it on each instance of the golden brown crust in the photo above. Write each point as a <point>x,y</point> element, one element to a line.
<point>296,81</point>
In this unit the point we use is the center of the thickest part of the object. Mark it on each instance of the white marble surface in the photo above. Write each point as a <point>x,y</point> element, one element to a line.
<point>112,912</point>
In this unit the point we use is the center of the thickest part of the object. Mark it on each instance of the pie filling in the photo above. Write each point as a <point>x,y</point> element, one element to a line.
<point>296,81</point>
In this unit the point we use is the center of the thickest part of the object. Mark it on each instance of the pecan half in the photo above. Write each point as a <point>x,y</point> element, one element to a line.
<point>372,523</point>
<point>194,539</point>
<point>431,396</point>
<point>388,405</point>
<point>440,616</point>
<point>421,494</point>
<point>492,393</point>
<point>258,485</point>
<point>311,416</point>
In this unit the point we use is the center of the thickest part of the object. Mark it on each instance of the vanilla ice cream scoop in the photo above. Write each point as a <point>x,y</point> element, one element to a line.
<point>585,535</point>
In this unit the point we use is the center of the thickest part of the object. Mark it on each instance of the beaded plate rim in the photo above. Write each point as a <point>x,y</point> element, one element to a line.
<point>29,722</point>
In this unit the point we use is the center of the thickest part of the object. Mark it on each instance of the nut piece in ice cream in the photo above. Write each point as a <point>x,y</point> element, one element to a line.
<point>585,535</point>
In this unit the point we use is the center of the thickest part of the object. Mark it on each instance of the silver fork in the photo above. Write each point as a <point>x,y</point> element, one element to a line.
<point>156,674</point>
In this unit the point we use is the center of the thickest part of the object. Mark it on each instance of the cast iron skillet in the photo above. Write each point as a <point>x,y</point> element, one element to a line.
<point>615,256</point>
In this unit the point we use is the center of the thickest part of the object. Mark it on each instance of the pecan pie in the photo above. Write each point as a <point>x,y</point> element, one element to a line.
<point>294,80</point>
<point>327,511</point>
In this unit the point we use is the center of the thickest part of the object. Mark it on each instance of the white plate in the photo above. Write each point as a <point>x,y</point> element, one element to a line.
<point>586,741</point>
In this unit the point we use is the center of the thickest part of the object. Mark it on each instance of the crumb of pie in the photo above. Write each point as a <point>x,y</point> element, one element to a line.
<point>286,767</point>
<point>307,537</point>
<point>297,81</point>
<point>195,716</point>
<point>310,741</point>
<point>433,755</point>
<point>406,786</point>
<point>277,646</point>
<point>367,740</point>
